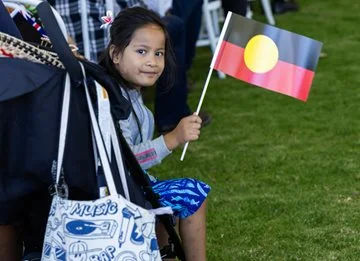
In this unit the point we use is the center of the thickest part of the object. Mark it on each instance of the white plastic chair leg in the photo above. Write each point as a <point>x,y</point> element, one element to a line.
<point>211,30</point>
<point>110,6</point>
<point>85,29</point>
<point>249,12</point>
<point>215,21</point>
<point>268,12</point>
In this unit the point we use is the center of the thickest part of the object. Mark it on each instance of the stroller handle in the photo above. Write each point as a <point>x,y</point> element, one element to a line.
<point>60,45</point>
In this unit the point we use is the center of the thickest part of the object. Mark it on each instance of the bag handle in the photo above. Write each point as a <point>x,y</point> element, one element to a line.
<point>115,145</point>
<point>60,45</point>
<point>98,139</point>
<point>63,129</point>
<point>100,143</point>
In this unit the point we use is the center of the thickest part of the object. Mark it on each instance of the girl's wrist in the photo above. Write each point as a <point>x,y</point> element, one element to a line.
<point>171,141</point>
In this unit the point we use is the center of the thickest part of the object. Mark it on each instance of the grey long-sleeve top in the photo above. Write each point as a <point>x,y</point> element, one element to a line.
<point>150,151</point>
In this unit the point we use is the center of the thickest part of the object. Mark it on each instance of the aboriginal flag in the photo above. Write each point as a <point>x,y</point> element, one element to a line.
<point>266,56</point>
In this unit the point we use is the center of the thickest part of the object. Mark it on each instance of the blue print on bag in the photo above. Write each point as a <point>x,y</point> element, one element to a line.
<point>152,251</point>
<point>154,244</point>
<point>56,250</point>
<point>60,253</point>
<point>52,225</point>
<point>136,236</point>
<point>47,249</point>
<point>106,255</point>
<point>134,212</point>
<point>108,208</point>
<point>84,230</point>
<point>64,204</point>
<point>94,229</point>
<point>147,256</point>
<point>124,227</point>
<point>52,211</point>
<point>78,251</point>
<point>61,237</point>
<point>126,256</point>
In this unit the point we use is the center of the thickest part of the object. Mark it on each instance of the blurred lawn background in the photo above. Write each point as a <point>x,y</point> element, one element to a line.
<point>285,175</point>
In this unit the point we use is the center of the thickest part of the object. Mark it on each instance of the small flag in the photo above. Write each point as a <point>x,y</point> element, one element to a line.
<point>28,17</point>
<point>267,56</point>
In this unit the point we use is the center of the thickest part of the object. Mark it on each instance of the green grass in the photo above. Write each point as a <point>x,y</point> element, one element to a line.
<point>285,175</point>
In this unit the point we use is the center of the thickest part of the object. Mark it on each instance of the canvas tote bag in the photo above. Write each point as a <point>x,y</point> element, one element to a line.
<point>109,228</point>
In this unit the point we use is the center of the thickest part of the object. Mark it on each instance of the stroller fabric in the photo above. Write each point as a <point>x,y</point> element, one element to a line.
<point>29,133</point>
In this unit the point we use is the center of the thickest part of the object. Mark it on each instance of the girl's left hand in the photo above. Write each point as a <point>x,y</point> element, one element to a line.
<point>188,129</point>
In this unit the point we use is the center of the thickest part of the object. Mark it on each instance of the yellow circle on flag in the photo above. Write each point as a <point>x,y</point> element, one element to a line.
<point>261,54</point>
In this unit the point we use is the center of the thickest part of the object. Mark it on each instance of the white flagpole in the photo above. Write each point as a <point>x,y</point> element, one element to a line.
<point>221,37</point>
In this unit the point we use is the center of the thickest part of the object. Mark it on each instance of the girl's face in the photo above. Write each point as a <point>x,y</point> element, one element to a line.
<point>143,60</point>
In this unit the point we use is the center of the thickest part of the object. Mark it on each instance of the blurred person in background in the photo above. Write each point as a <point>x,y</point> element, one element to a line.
<point>236,6</point>
<point>283,6</point>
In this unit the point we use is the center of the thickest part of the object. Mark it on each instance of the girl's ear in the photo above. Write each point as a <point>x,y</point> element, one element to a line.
<point>114,55</point>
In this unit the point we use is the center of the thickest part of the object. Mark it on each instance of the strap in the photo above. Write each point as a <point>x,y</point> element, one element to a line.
<point>118,157</point>
<point>60,46</point>
<point>120,106</point>
<point>63,127</point>
<point>109,129</point>
<point>103,115</point>
<point>96,132</point>
<point>99,142</point>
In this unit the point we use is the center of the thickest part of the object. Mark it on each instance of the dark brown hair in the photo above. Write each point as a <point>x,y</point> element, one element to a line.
<point>121,34</point>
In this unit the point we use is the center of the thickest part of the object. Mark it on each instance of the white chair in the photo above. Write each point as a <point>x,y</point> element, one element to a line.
<point>268,11</point>
<point>210,28</point>
<point>266,5</point>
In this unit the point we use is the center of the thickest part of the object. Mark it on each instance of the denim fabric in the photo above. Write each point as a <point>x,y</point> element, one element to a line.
<point>190,13</point>
<point>171,105</point>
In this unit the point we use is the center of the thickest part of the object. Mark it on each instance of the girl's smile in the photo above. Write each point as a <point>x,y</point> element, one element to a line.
<point>150,73</point>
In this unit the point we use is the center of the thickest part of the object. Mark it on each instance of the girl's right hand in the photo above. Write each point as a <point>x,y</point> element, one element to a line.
<point>188,129</point>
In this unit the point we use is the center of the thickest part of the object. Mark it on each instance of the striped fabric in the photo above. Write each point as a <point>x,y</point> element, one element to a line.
<point>184,195</point>
<point>131,3</point>
<point>70,12</point>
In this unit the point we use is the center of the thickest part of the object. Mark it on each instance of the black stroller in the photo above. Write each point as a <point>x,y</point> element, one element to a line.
<point>30,107</point>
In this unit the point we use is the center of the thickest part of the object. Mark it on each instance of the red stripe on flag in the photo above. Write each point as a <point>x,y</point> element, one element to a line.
<point>284,78</point>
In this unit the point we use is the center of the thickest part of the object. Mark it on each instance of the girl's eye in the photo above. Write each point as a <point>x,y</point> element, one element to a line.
<point>141,51</point>
<point>159,53</point>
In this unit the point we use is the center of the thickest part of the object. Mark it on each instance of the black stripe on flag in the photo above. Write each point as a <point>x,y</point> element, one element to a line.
<point>293,48</point>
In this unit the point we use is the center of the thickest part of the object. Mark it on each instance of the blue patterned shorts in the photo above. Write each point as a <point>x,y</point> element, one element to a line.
<point>184,195</point>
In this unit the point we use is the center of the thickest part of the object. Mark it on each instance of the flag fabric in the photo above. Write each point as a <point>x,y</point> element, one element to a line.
<point>266,56</point>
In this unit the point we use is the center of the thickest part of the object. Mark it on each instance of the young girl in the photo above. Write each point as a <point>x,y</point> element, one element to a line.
<point>139,53</point>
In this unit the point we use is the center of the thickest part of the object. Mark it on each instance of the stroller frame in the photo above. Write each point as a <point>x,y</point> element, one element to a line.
<point>56,31</point>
